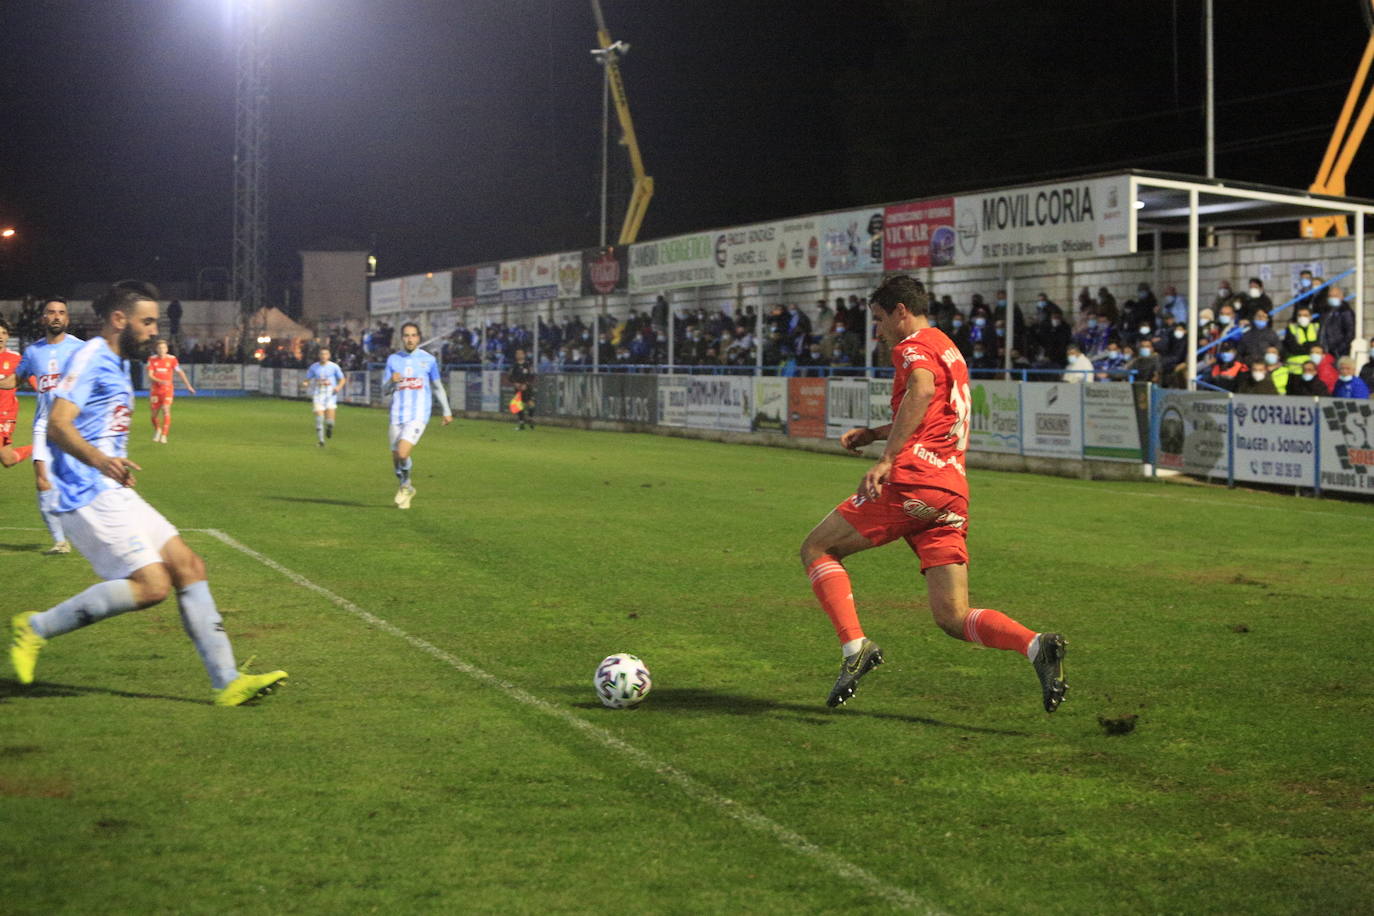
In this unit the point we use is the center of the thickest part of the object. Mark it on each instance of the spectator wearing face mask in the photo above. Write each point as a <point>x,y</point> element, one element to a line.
<point>1256,298</point>
<point>983,359</point>
<point>999,314</point>
<point>1303,332</point>
<point>1305,382</point>
<point>1273,363</point>
<point>1094,338</point>
<point>980,331</point>
<point>1338,324</point>
<point>1348,384</point>
<point>1258,338</point>
<point>1326,366</point>
<point>1109,363</point>
<point>1256,381</point>
<point>1052,336</point>
<point>1137,332</point>
<point>1306,292</point>
<point>1079,367</point>
<point>1174,304</point>
<point>958,332</point>
<point>1226,372</point>
<point>1173,352</point>
<point>1141,309</point>
<point>1224,295</point>
<point>1145,365</point>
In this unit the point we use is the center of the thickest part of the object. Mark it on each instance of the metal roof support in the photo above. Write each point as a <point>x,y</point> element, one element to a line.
<point>1192,287</point>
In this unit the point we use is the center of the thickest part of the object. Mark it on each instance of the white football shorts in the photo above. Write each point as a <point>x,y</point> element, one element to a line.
<point>411,431</point>
<point>328,399</point>
<point>118,533</point>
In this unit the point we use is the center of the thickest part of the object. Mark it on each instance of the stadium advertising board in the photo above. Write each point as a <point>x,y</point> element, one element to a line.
<point>491,390</point>
<point>488,283</point>
<point>250,377</point>
<point>1191,432</point>
<point>216,376</point>
<point>605,271</point>
<point>672,400</point>
<point>1273,439</point>
<point>267,380</point>
<point>879,401</point>
<point>1110,429</point>
<point>846,405</point>
<point>1347,445</point>
<point>575,394</point>
<point>918,234</point>
<point>1065,220</point>
<point>716,402</point>
<point>355,387</point>
<point>630,398</point>
<point>769,251</point>
<point>770,405</point>
<point>473,384</point>
<point>852,242</point>
<point>684,260</point>
<point>570,275</point>
<point>418,292</point>
<point>292,383</point>
<point>464,287</point>
<point>995,417</point>
<point>529,279</point>
<point>1051,419</point>
<point>457,390</point>
<point>806,407</point>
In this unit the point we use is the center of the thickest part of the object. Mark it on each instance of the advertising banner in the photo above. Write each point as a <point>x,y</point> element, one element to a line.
<point>672,400</point>
<point>570,275</point>
<point>846,405</point>
<point>716,402</point>
<point>918,234</point>
<point>291,380</point>
<point>1273,439</point>
<point>630,398</point>
<point>355,387</point>
<point>216,375</point>
<point>806,407</point>
<point>418,292</point>
<point>852,242</point>
<point>1191,432</point>
<point>605,271</point>
<point>1051,419</point>
<point>488,283</point>
<point>1110,429</point>
<point>529,279</point>
<point>1071,219</point>
<point>1347,445</point>
<point>994,417</point>
<point>770,405</point>
<point>879,401</point>
<point>457,390</point>
<point>267,380</point>
<point>464,287</point>
<point>685,260</point>
<point>474,387</point>
<point>769,251</point>
<point>250,377</point>
<point>491,390</point>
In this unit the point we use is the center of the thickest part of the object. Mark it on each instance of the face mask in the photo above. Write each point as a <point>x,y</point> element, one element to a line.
<point>1345,378</point>
<point>1054,322</point>
<point>1255,292</point>
<point>1001,303</point>
<point>1303,321</point>
<point>1180,333</point>
<point>1170,300</point>
<point>1271,358</point>
<point>956,324</point>
<point>1227,357</point>
<point>1224,320</point>
<point>1223,292</point>
<point>1040,303</point>
<point>979,322</point>
<point>1333,301</point>
<point>977,354</point>
<point>1308,376</point>
<point>1258,376</point>
<point>1144,329</point>
<point>1306,282</point>
<point>1093,323</point>
<point>1113,354</point>
<point>839,329</point>
<point>1142,293</point>
<point>1001,332</point>
<point>815,354</point>
<point>1316,357</point>
<point>1145,351</point>
<point>1261,323</point>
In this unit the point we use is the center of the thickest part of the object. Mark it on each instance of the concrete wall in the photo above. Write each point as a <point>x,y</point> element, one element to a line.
<point>333,286</point>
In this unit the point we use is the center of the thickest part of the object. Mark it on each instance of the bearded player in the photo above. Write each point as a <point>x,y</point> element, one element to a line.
<point>916,491</point>
<point>9,402</point>
<point>162,371</point>
<point>42,367</point>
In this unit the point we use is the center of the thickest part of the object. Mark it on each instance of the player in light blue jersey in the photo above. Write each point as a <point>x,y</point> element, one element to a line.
<point>42,367</point>
<point>325,381</point>
<point>411,374</point>
<point>136,551</point>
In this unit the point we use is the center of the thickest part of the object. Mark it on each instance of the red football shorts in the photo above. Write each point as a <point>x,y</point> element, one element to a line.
<point>933,522</point>
<point>160,396</point>
<point>6,432</point>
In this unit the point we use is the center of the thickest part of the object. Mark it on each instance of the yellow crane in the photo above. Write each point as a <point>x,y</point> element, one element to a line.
<point>1345,141</point>
<point>643,185</point>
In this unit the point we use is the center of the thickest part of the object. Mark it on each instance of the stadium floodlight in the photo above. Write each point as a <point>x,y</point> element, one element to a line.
<point>7,233</point>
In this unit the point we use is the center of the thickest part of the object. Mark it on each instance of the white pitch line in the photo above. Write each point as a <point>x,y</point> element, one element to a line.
<point>668,773</point>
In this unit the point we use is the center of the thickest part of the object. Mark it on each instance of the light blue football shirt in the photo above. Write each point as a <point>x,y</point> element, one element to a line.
<point>412,400</point>
<point>328,374</point>
<point>46,362</point>
<point>95,381</point>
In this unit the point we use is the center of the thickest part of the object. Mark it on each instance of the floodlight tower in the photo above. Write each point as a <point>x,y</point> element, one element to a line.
<point>252,56</point>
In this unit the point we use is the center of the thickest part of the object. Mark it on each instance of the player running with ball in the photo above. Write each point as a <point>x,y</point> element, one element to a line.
<point>916,491</point>
<point>411,374</point>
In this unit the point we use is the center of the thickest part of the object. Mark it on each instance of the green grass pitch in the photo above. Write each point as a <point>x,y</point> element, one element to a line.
<point>389,775</point>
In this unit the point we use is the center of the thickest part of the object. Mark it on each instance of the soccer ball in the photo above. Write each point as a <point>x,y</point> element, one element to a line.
<point>622,680</point>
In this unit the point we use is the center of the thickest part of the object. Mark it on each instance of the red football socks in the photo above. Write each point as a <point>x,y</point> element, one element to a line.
<point>23,451</point>
<point>987,627</point>
<point>830,582</point>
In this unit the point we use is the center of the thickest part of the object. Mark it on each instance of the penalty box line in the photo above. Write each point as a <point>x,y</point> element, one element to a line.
<point>645,761</point>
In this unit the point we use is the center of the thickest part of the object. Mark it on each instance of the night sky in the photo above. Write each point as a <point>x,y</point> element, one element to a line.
<point>448,132</point>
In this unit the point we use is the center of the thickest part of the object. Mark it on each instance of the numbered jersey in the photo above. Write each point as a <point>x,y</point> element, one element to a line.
<point>934,455</point>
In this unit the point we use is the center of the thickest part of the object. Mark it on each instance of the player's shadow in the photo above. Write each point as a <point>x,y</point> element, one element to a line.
<point>21,548</point>
<point>326,502</point>
<point>43,690</point>
<point>701,701</point>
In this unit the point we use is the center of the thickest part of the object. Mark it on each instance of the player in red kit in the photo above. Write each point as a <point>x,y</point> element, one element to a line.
<point>162,371</point>
<point>9,402</point>
<point>917,491</point>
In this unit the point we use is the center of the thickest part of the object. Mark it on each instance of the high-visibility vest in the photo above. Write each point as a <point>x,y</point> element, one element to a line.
<point>1306,337</point>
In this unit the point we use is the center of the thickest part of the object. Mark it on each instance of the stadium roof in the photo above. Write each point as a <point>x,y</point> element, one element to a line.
<point>1223,203</point>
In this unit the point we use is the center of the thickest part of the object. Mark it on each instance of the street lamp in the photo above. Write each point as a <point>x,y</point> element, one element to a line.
<point>605,57</point>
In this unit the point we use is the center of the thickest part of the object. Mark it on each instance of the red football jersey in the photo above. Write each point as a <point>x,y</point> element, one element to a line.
<point>934,455</point>
<point>161,369</point>
<point>9,399</point>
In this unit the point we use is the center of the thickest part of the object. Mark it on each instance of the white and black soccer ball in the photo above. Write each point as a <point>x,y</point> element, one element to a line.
<point>622,680</point>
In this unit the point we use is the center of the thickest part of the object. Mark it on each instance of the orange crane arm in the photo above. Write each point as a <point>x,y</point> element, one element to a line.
<point>643,184</point>
<point>1340,151</point>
